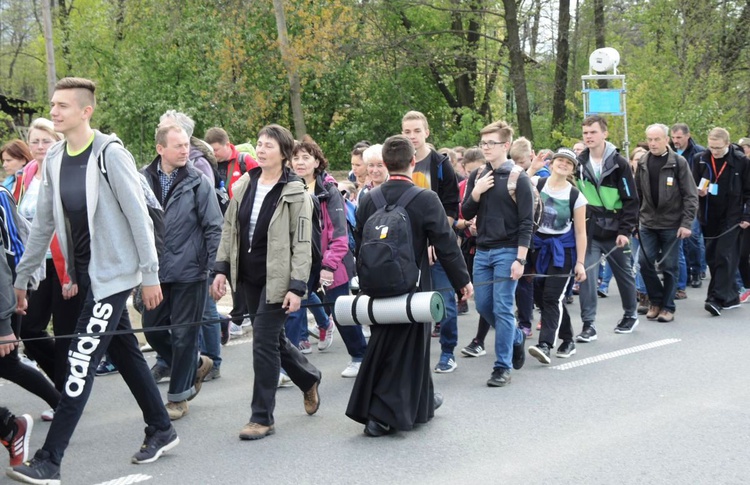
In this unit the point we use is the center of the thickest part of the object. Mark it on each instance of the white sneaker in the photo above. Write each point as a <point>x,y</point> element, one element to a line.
<point>235,330</point>
<point>146,348</point>
<point>366,331</point>
<point>246,323</point>
<point>313,331</point>
<point>285,380</point>
<point>28,362</point>
<point>326,336</point>
<point>48,415</point>
<point>351,370</point>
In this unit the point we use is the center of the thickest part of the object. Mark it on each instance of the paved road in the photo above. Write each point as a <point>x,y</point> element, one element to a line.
<point>667,404</point>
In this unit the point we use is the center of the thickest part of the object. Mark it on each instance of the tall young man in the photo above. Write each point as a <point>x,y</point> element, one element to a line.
<point>504,227</point>
<point>606,180</point>
<point>393,390</point>
<point>106,236</point>
<point>434,171</point>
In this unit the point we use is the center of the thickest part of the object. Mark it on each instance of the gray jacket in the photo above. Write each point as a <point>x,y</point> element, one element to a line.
<point>123,254</point>
<point>678,195</point>
<point>192,223</point>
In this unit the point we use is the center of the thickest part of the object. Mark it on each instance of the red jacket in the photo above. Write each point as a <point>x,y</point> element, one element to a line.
<point>233,169</point>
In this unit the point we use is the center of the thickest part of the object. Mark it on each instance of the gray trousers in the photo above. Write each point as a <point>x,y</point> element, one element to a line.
<point>622,269</point>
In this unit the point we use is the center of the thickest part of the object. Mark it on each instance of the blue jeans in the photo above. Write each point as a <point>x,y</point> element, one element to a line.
<point>495,302</point>
<point>296,324</point>
<point>654,244</point>
<point>209,335</point>
<point>605,274</point>
<point>635,244</point>
<point>352,335</point>
<point>682,273</point>
<point>696,250</point>
<point>449,323</point>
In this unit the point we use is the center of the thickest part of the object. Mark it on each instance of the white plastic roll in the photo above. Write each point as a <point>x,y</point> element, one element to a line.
<point>422,307</point>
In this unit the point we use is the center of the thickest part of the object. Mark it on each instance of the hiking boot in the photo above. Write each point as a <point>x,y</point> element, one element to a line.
<point>587,335</point>
<point>653,312</point>
<point>39,470</point>
<point>499,378</point>
<point>312,399</point>
<point>156,444</point>
<point>566,349</point>
<point>446,364</point>
<point>160,372</point>
<point>665,316</point>
<point>626,325</point>
<point>643,303</point>
<point>255,431</point>
<point>474,349</point>
<point>680,295</point>
<point>540,352</point>
<point>326,336</point>
<point>176,410</point>
<point>204,368</point>
<point>18,446</point>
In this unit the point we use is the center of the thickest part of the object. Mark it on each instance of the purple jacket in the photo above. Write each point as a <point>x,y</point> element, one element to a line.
<point>334,236</point>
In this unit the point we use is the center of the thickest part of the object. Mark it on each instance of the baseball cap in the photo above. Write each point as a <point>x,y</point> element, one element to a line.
<point>744,141</point>
<point>567,154</point>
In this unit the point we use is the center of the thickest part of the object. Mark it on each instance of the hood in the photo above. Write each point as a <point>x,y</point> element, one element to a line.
<point>609,150</point>
<point>100,141</point>
<point>199,148</point>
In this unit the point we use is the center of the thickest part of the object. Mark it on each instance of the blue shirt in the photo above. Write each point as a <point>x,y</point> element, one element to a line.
<point>166,181</point>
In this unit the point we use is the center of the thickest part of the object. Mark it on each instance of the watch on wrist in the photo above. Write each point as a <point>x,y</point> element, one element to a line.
<point>522,261</point>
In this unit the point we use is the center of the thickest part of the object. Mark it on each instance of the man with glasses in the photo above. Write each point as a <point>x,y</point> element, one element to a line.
<point>723,176</point>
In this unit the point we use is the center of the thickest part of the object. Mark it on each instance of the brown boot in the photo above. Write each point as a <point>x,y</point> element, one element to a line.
<point>653,312</point>
<point>642,303</point>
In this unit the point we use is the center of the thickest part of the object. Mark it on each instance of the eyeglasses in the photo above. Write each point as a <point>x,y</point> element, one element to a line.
<point>491,143</point>
<point>41,142</point>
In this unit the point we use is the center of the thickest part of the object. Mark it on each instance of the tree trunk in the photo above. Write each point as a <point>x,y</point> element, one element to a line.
<point>50,47</point>
<point>599,32</point>
<point>561,65</point>
<point>534,40</point>
<point>295,88</point>
<point>517,72</point>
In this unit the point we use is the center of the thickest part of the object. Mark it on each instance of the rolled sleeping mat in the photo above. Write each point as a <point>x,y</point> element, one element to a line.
<point>421,307</point>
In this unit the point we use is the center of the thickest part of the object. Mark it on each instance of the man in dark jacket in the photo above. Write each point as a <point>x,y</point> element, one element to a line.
<point>693,247</point>
<point>723,176</point>
<point>393,390</point>
<point>668,203</point>
<point>606,180</point>
<point>192,222</point>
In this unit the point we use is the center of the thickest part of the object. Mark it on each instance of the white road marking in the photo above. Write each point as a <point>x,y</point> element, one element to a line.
<point>127,480</point>
<point>238,341</point>
<point>617,353</point>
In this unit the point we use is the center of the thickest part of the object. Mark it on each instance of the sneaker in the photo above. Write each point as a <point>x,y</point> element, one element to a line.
<point>666,316</point>
<point>539,325</point>
<point>285,380</point>
<point>602,291</point>
<point>569,300</point>
<point>224,325</point>
<point>246,323</point>
<point>313,332</point>
<point>713,308</point>
<point>376,429</point>
<point>18,446</point>
<point>745,296</point>
<point>474,349</point>
<point>576,288</point>
<point>255,431</point>
<point>215,373</point>
<point>587,335</point>
<point>312,399</point>
<point>680,295</point>
<point>326,336</point>
<point>161,373</point>
<point>731,305</point>
<point>446,364</point>
<point>156,444</point>
<point>626,325</point>
<point>462,307</point>
<point>519,355</point>
<point>653,312</point>
<point>105,368</point>
<point>436,331</point>
<point>235,330</point>
<point>566,349</point>
<point>204,368</point>
<point>177,410</point>
<point>527,332</point>
<point>499,378</point>
<point>366,331</point>
<point>48,415</point>
<point>643,304</point>
<point>695,281</point>
<point>540,352</point>
<point>146,347</point>
<point>305,347</point>
<point>39,470</point>
<point>703,275</point>
<point>352,370</point>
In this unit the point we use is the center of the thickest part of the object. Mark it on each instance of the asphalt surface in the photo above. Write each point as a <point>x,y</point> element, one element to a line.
<point>666,404</point>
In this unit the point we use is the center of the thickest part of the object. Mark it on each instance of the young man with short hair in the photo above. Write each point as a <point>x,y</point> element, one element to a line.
<point>434,171</point>
<point>504,227</point>
<point>394,390</point>
<point>105,233</point>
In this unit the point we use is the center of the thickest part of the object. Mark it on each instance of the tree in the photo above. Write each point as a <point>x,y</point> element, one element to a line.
<point>517,70</point>
<point>561,65</point>
<point>295,90</point>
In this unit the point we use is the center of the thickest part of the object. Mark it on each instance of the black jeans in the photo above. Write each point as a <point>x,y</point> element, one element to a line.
<point>7,424</point>
<point>45,303</point>
<point>722,256</point>
<point>271,351</point>
<point>183,303</point>
<point>744,263</point>
<point>549,295</point>
<point>85,353</point>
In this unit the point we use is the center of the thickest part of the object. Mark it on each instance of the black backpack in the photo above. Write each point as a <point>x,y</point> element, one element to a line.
<point>155,211</point>
<point>386,264</point>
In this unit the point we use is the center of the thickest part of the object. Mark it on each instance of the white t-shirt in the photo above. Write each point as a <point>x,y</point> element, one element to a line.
<point>27,207</point>
<point>556,218</point>
<point>260,195</point>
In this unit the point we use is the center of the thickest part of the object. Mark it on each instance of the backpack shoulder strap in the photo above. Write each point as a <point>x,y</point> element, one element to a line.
<point>377,198</point>
<point>408,196</point>
<point>102,163</point>
<point>241,160</point>
<point>573,199</point>
<point>541,183</point>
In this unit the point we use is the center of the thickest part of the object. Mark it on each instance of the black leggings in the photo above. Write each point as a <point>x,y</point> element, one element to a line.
<point>7,424</point>
<point>744,264</point>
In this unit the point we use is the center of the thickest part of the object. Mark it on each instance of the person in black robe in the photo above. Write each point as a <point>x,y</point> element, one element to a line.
<point>394,390</point>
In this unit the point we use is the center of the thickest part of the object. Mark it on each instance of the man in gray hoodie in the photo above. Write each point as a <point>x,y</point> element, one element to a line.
<point>97,208</point>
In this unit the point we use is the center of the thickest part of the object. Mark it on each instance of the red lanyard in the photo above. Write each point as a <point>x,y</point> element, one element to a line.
<point>713,165</point>
<point>403,178</point>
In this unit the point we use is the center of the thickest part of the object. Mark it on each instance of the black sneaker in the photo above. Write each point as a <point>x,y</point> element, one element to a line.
<point>713,308</point>
<point>540,352</point>
<point>474,349</point>
<point>695,281</point>
<point>39,470</point>
<point>156,444</point>
<point>587,335</point>
<point>519,355</point>
<point>224,325</point>
<point>731,304</point>
<point>626,325</point>
<point>566,349</point>
<point>499,378</point>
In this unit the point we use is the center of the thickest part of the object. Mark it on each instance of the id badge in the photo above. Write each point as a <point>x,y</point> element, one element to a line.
<point>670,181</point>
<point>713,189</point>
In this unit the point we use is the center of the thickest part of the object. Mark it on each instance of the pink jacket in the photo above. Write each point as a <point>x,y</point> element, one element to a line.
<point>334,235</point>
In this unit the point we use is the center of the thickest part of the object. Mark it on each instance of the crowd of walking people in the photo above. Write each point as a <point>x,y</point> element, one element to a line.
<point>513,226</point>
